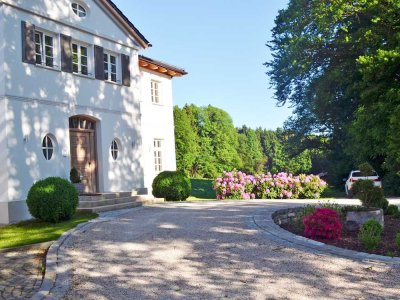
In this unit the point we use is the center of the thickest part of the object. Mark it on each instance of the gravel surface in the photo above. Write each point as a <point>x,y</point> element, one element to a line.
<point>209,251</point>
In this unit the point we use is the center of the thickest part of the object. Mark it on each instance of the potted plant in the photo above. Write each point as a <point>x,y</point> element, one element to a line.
<point>76,180</point>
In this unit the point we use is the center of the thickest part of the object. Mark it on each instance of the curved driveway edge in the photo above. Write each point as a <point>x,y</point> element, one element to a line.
<point>250,250</point>
<point>56,280</point>
<point>264,221</point>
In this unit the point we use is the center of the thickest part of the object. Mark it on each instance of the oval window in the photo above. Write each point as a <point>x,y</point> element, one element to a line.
<point>114,149</point>
<point>78,10</point>
<point>47,147</point>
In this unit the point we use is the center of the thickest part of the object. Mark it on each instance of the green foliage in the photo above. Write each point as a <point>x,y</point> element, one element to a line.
<point>52,199</point>
<point>74,176</point>
<point>370,195</point>
<point>337,63</point>
<point>250,151</point>
<point>366,169</point>
<point>370,234</point>
<point>171,185</point>
<point>398,240</point>
<point>392,210</point>
<point>186,142</point>
<point>208,144</point>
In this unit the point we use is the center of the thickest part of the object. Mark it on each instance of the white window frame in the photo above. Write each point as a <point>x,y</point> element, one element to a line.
<point>115,149</point>
<point>40,49</point>
<point>79,10</point>
<point>80,64</point>
<point>108,74</point>
<point>155,87</point>
<point>158,155</point>
<point>48,150</point>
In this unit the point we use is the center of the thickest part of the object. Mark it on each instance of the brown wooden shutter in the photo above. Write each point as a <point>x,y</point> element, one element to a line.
<point>66,53</point>
<point>28,43</point>
<point>125,71</point>
<point>99,62</point>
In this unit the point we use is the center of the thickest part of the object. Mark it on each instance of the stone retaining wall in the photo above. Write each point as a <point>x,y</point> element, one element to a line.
<point>285,216</point>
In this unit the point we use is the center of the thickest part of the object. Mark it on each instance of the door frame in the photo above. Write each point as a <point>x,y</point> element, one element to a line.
<point>95,154</point>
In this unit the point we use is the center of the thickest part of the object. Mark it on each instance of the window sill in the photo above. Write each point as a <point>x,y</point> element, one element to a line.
<point>84,76</point>
<point>157,104</point>
<point>112,82</point>
<point>48,68</point>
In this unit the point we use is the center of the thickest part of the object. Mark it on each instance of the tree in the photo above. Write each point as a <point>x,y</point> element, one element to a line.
<point>250,151</point>
<point>186,142</point>
<point>337,63</point>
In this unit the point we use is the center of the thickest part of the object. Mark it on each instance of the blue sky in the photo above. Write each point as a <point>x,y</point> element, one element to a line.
<point>221,43</point>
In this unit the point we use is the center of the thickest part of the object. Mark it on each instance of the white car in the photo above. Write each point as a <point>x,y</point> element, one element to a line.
<point>356,175</point>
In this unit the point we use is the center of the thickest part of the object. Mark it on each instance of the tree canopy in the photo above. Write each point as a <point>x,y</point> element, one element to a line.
<point>337,62</point>
<point>207,143</point>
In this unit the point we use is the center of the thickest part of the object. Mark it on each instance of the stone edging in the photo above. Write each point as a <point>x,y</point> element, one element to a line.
<point>27,247</point>
<point>265,222</point>
<point>56,280</point>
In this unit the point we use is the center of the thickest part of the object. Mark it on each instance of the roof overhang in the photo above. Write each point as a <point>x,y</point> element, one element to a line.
<point>124,21</point>
<point>160,67</point>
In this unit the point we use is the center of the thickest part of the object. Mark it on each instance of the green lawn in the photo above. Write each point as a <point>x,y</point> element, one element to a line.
<point>32,232</point>
<point>202,189</point>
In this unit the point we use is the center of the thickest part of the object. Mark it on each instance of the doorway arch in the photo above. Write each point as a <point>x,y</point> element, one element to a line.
<point>83,150</point>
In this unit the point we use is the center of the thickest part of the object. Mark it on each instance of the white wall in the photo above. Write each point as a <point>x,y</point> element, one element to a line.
<point>158,123</point>
<point>39,101</point>
<point>97,22</point>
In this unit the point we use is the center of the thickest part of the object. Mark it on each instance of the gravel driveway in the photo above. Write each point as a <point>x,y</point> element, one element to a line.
<point>210,251</point>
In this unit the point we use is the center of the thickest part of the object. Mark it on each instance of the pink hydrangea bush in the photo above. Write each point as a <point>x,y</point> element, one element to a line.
<point>238,185</point>
<point>235,185</point>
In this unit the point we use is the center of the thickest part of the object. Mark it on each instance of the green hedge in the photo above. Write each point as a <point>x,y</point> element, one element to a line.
<point>171,185</point>
<point>52,199</point>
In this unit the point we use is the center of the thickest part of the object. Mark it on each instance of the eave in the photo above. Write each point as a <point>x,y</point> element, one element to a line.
<point>160,67</point>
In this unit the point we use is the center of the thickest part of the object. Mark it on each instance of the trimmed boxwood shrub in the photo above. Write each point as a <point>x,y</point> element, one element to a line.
<point>172,185</point>
<point>370,234</point>
<point>392,210</point>
<point>52,199</point>
<point>370,195</point>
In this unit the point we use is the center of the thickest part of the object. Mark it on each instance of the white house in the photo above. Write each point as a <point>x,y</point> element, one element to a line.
<point>74,92</point>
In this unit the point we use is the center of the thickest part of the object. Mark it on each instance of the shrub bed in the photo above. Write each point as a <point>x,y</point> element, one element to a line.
<point>366,239</point>
<point>239,185</point>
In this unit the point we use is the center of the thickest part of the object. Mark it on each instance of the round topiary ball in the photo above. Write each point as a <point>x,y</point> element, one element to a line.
<point>52,199</point>
<point>171,185</point>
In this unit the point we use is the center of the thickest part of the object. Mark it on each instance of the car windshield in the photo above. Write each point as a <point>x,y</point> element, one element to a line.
<point>358,174</point>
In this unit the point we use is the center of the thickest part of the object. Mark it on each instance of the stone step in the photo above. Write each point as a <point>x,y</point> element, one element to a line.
<point>111,207</point>
<point>150,200</point>
<point>105,202</point>
<point>111,195</point>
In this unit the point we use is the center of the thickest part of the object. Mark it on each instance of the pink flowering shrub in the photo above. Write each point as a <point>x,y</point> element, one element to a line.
<point>324,223</point>
<point>238,185</point>
<point>235,185</point>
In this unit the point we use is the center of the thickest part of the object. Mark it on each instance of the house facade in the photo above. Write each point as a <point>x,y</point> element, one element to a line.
<point>74,92</point>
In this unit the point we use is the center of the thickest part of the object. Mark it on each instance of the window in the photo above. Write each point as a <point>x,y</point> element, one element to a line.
<point>44,48</point>
<point>78,10</point>
<point>81,123</point>
<point>155,92</point>
<point>158,155</point>
<point>80,59</point>
<point>114,149</point>
<point>110,67</point>
<point>47,147</point>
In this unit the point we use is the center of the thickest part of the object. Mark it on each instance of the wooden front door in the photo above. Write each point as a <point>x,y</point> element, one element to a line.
<point>83,157</point>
